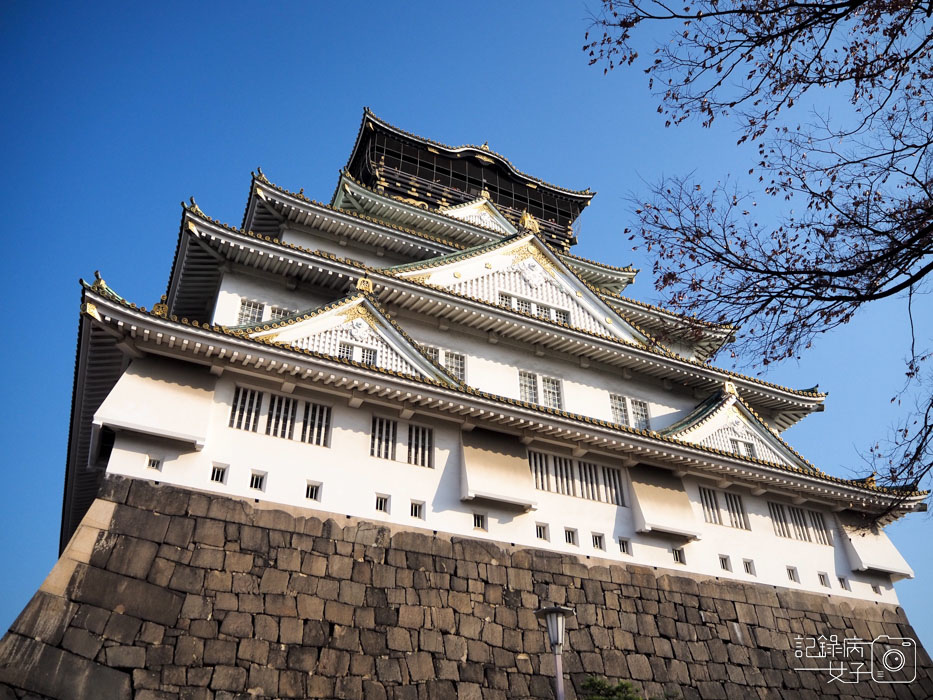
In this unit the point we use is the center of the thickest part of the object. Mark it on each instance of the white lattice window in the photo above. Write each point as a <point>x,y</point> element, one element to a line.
<point>244,413</point>
<point>432,352</point>
<point>277,313</point>
<point>570,536</point>
<point>820,533</point>
<point>315,429</point>
<point>280,419</point>
<point>639,414</point>
<point>421,446</point>
<point>779,519</point>
<point>523,305</point>
<point>551,392</point>
<point>456,364</point>
<point>562,316</point>
<point>383,437</point>
<point>619,407</point>
<point>313,491</point>
<point>417,510</point>
<point>599,541</point>
<point>541,531</point>
<point>710,503</point>
<point>534,308</point>
<point>250,313</point>
<point>257,481</point>
<point>345,351</point>
<point>368,356</point>
<point>528,386</point>
<point>736,509</point>
<point>219,473</point>
<point>744,448</point>
<point>629,411</point>
<point>799,522</point>
<point>382,503</point>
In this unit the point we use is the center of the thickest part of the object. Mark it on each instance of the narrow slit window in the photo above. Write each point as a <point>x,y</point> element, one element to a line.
<point>246,408</point>
<point>313,491</point>
<point>625,546</point>
<point>844,583</point>
<point>421,446</point>
<point>154,463</point>
<point>541,531</point>
<point>749,566</point>
<point>679,556</point>
<point>417,510</point>
<point>315,429</point>
<point>792,574</point>
<point>737,516</point>
<point>479,521</point>
<point>257,481</point>
<point>538,462</point>
<point>599,541</point>
<point>218,474</point>
<point>779,519</point>
<point>382,503</point>
<point>824,579</point>
<point>820,533</point>
<point>570,536</point>
<point>799,522</point>
<point>280,419</point>
<point>710,503</point>
<point>382,440</point>
<point>724,563</point>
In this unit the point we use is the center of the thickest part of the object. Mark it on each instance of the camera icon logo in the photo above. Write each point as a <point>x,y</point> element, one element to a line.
<point>893,659</point>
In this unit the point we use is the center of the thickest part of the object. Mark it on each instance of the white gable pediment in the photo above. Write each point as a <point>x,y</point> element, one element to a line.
<point>355,330</point>
<point>524,276</point>
<point>481,212</point>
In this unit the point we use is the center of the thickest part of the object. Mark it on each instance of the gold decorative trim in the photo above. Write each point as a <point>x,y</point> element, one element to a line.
<point>729,388</point>
<point>530,251</point>
<point>484,159</point>
<point>91,310</point>
<point>364,284</point>
<point>359,311</point>
<point>529,222</point>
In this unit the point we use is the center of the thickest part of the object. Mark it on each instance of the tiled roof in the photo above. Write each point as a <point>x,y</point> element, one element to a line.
<point>223,330</point>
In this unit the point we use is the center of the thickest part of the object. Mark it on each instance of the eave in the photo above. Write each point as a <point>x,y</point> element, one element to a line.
<point>222,349</point>
<point>317,267</point>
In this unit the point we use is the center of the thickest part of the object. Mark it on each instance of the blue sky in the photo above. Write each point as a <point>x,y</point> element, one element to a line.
<point>115,112</point>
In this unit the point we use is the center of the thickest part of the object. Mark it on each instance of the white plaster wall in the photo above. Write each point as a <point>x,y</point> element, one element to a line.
<point>351,479</point>
<point>366,255</point>
<point>235,286</point>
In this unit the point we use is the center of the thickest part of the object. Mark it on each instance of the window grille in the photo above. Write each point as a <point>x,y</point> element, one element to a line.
<point>779,519</point>
<point>528,386</point>
<point>589,481</point>
<point>539,467</point>
<point>625,546</point>
<point>345,351</point>
<point>479,521</point>
<point>844,583</point>
<point>744,448</point>
<point>541,531</point>
<point>792,574</point>
<point>313,491</point>
<point>619,409</point>
<point>154,463</point>
<point>421,446</point>
<point>710,506</point>
<point>550,390</point>
<point>824,579</point>
<point>563,473</point>
<point>218,474</point>
<point>737,516</point>
<point>315,429</point>
<point>505,299</point>
<point>368,356</point>
<point>570,536</point>
<point>562,316</point>
<point>724,563</point>
<point>639,414</point>
<point>277,313</point>
<point>280,420</point>
<point>799,522</point>
<point>820,533</point>
<point>455,363</point>
<point>679,556</point>
<point>749,566</point>
<point>542,312</point>
<point>382,440</point>
<point>432,352</point>
<point>523,305</point>
<point>382,503</point>
<point>244,414</point>
<point>257,480</point>
<point>417,510</point>
<point>612,479</point>
<point>250,313</point>
<point>599,542</point>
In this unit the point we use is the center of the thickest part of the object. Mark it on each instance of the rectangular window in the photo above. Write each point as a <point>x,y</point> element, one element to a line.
<point>431,352</point>
<point>779,519</point>
<point>280,420</point>
<point>523,305</point>
<point>345,351</point>
<point>382,440</point>
<point>792,574</point>
<point>382,503</point>
<point>313,491</point>
<point>749,566</point>
<point>315,429</point>
<point>420,446</point>
<point>219,474</point>
<point>612,481</point>
<point>619,407</point>
<point>559,475</point>
<point>539,467</point>
<point>479,521</point>
<point>736,509</point>
<point>679,556</point>
<point>824,579</point>
<point>528,386</point>
<point>505,299</point>
<point>257,480</point>
<point>710,506</point>
<point>589,481</point>
<point>639,414</point>
<point>799,522</point>
<point>844,583</point>
<point>277,313</point>
<point>625,546</point>
<point>368,356</point>
<point>570,536</point>
<point>244,413</point>
<point>744,448</point>
<point>417,510</point>
<point>551,392</point>
<point>562,316</point>
<point>563,473</point>
<point>724,563</point>
<point>820,533</point>
<point>250,313</point>
<point>541,531</point>
<point>456,364</point>
<point>154,463</point>
<point>599,542</point>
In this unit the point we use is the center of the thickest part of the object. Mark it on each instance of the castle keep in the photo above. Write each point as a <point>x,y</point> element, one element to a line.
<point>357,444</point>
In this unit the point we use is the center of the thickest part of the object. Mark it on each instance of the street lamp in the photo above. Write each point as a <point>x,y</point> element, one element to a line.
<point>555,618</point>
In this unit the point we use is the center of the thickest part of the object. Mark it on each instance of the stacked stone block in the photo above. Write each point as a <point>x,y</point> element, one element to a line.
<point>176,594</point>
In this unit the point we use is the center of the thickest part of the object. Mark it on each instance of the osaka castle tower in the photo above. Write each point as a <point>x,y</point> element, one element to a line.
<point>357,444</point>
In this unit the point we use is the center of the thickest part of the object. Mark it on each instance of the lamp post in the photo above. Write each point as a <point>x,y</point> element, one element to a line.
<point>555,617</point>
